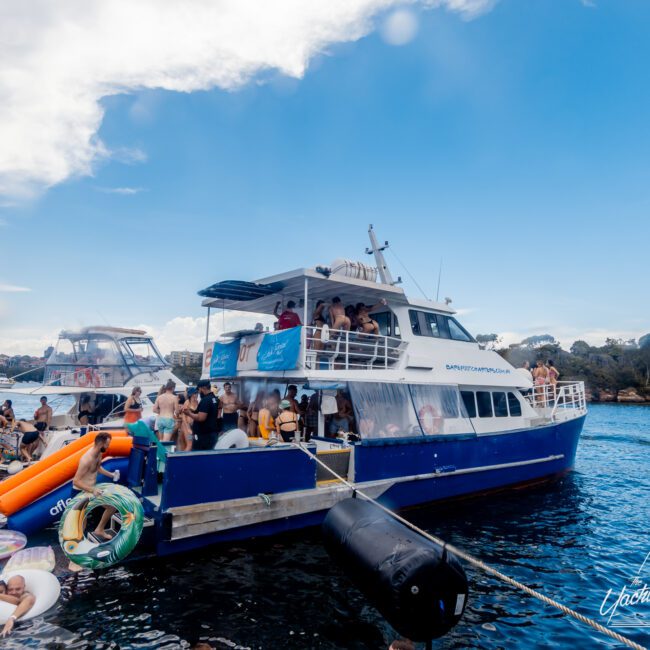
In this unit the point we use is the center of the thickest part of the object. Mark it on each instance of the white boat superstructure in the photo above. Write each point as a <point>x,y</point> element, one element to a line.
<point>103,364</point>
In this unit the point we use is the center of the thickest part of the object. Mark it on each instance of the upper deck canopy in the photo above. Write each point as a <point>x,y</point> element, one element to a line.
<point>260,296</point>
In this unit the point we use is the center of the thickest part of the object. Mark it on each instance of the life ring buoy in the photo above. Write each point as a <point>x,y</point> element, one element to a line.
<point>83,377</point>
<point>430,420</point>
<point>98,555</point>
<point>233,439</point>
<point>42,585</point>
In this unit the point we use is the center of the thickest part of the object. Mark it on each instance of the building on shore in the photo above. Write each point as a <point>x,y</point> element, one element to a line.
<point>185,358</point>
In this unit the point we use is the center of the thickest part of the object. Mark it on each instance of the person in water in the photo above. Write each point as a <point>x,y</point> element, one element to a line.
<point>15,593</point>
<point>133,406</point>
<point>85,480</point>
<point>166,407</point>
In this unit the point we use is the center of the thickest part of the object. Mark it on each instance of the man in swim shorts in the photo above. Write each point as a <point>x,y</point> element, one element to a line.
<point>29,441</point>
<point>85,480</point>
<point>229,404</point>
<point>43,415</point>
<point>16,595</point>
<point>166,407</point>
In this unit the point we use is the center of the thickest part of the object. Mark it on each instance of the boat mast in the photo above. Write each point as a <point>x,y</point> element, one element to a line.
<point>376,250</point>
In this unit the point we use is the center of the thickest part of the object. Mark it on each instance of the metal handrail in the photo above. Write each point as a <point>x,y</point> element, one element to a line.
<point>353,350</point>
<point>561,395</point>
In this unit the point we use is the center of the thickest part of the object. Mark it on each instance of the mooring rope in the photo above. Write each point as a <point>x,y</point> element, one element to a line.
<point>479,564</point>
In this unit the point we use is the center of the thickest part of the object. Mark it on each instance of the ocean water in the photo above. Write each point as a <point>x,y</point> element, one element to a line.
<point>573,540</point>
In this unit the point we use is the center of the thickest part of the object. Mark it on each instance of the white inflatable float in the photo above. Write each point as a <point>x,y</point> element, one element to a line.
<point>233,439</point>
<point>41,584</point>
<point>35,557</point>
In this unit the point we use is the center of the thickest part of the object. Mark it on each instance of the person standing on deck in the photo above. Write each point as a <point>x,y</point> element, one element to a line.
<point>205,427</point>
<point>8,411</point>
<point>229,404</point>
<point>43,415</point>
<point>292,392</point>
<point>133,406</point>
<point>165,407</point>
<point>288,318</point>
<point>85,480</point>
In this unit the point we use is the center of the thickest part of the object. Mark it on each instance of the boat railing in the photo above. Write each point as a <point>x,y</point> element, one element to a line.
<point>328,349</point>
<point>553,399</point>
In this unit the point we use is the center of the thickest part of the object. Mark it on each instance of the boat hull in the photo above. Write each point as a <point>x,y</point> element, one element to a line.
<point>400,474</point>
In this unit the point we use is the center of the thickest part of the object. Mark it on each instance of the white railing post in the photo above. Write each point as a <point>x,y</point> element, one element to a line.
<point>347,349</point>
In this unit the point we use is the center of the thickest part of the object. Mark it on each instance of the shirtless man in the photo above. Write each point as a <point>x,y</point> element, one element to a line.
<point>30,439</point>
<point>229,404</point>
<point>166,407</point>
<point>292,391</point>
<point>16,595</point>
<point>43,415</point>
<point>85,479</point>
<point>338,319</point>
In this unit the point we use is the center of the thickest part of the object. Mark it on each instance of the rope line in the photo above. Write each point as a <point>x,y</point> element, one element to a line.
<point>479,564</point>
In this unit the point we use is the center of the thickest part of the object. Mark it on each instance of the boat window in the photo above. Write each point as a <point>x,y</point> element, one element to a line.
<point>415,322</point>
<point>387,322</point>
<point>514,405</point>
<point>142,352</point>
<point>432,328</point>
<point>458,332</point>
<point>500,405</point>
<point>484,403</point>
<point>470,402</point>
<point>384,410</point>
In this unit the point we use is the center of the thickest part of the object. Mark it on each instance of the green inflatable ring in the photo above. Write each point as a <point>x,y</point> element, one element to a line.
<point>92,554</point>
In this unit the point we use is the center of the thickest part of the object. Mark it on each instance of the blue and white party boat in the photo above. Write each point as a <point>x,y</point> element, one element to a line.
<point>410,411</point>
<point>415,413</point>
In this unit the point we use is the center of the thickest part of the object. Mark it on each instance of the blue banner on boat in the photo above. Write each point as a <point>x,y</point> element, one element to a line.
<point>279,350</point>
<point>224,359</point>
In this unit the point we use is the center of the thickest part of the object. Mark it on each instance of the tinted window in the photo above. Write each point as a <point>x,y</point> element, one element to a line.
<point>396,326</point>
<point>470,403</point>
<point>500,405</point>
<point>514,405</point>
<point>484,403</point>
<point>457,331</point>
<point>415,322</point>
<point>383,320</point>
<point>432,325</point>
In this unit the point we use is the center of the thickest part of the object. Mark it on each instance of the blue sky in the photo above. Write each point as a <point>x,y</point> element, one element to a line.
<point>513,146</point>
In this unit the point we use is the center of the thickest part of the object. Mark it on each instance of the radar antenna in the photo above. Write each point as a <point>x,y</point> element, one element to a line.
<point>376,250</point>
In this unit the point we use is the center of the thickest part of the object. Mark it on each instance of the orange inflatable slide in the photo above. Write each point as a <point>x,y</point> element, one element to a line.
<point>42,477</point>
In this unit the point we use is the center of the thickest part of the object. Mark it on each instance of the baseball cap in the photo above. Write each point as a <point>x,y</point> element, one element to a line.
<point>203,383</point>
<point>285,404</point>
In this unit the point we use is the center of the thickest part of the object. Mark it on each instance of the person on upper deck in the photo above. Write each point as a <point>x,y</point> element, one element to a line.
<point>338,319</point>
<point>318,320</point>
<point>366,324</point>
<point>288,318</point>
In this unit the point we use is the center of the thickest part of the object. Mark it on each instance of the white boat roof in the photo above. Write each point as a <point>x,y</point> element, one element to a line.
<point>291,286</point>
<point>70,390</point>
<point>116,332</point>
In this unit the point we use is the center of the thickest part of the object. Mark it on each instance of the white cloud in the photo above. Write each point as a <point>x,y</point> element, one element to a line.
<point>126,191</point>
<point>12,288</point>
<point>59,59</point>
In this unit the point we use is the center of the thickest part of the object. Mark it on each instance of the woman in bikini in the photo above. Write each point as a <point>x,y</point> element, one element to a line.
<point>318,321</point>
<point>540,376</point>
<point>339,321</point>
<point>133,406</point>
<point>254,415</point>
<point>368,325</point>
<point>553,376</point>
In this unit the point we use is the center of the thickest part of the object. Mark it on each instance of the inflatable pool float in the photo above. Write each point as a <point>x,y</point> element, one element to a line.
<point>41,584</point>
<point>10,542</point>
<point>36,557</point>
<point>87,551</point>
<point>233,439</point>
